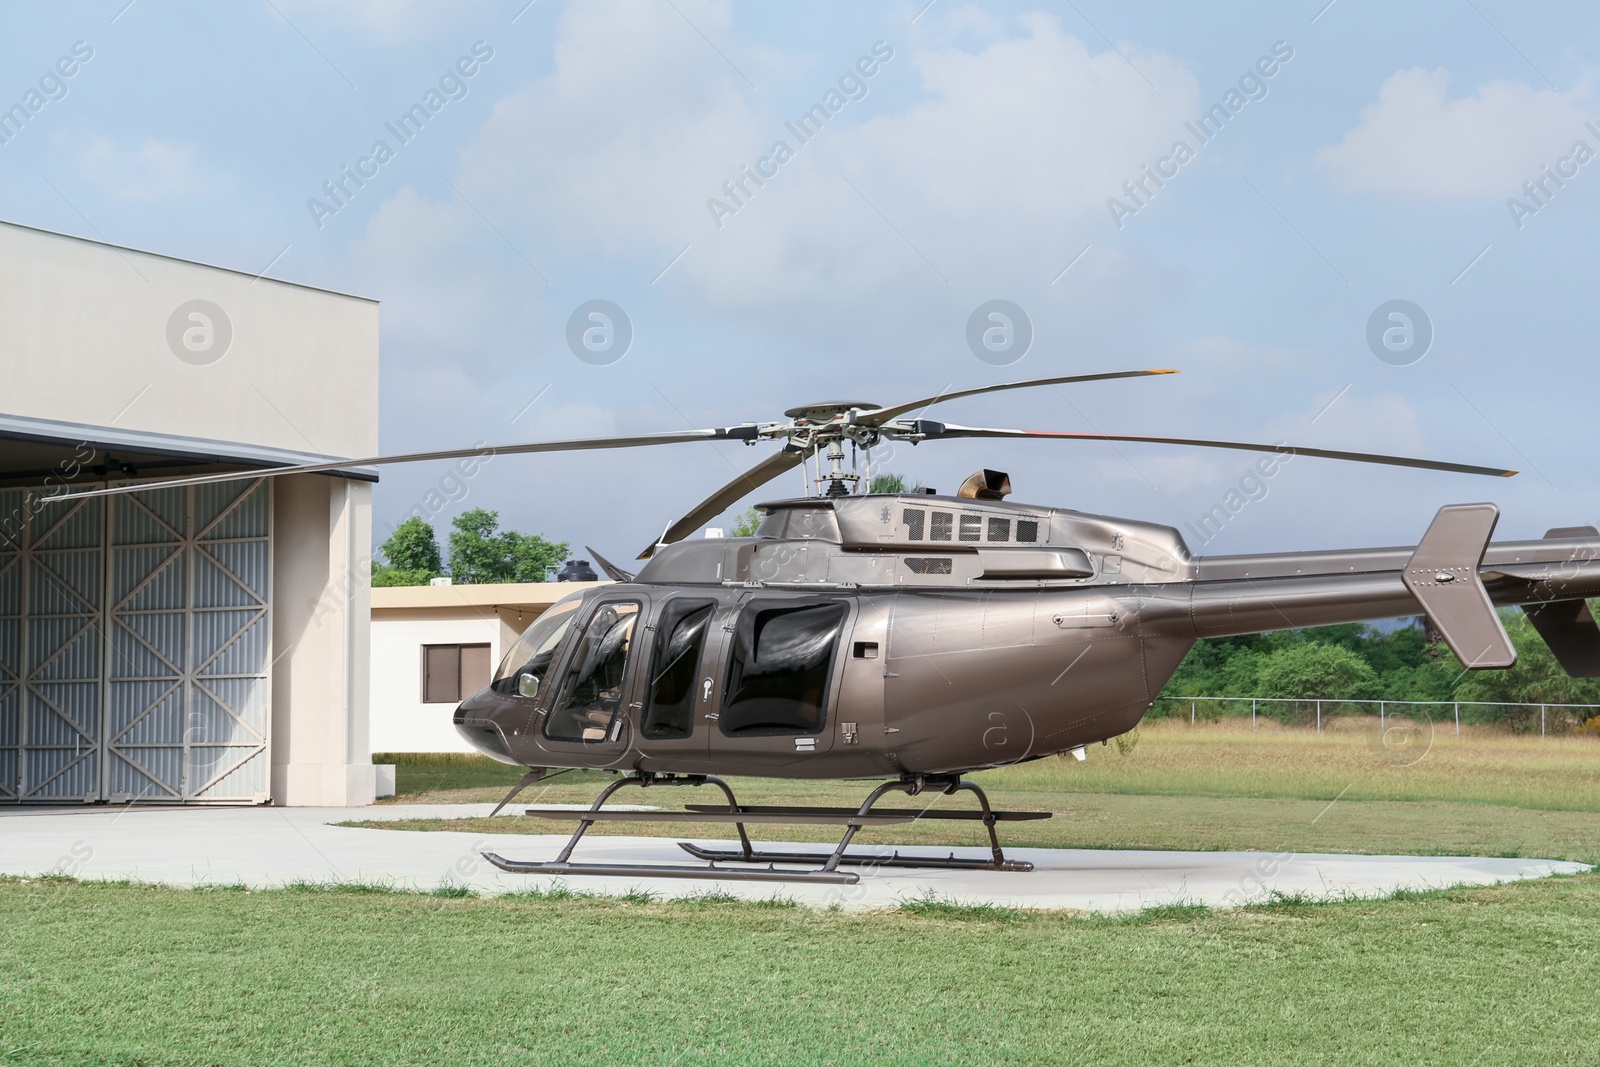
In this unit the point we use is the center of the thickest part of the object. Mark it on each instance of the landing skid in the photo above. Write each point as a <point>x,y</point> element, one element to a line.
<point>855,859</point>
<point>827,873</point>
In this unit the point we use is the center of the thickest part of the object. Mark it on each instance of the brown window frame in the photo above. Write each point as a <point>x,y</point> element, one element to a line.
<point>429,696</point>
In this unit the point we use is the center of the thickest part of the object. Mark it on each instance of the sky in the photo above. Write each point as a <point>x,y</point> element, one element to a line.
<point>1335,158</point>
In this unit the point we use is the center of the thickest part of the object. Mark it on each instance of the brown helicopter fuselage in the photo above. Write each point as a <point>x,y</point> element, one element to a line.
<point>900,635</point>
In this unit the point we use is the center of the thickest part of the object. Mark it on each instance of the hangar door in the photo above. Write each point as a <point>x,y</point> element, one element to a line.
<point>135,638</point>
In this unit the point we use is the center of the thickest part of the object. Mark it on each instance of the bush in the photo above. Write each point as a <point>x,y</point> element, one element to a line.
<point>1536,679</point>
<point>387,577</point>
<point>1316,671</point>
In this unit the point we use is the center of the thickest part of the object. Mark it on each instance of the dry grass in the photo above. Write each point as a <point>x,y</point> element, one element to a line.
<point>1220,786</point>
<point>1108,820</point>
<point>1226,759</point>
<point>1348,758</point>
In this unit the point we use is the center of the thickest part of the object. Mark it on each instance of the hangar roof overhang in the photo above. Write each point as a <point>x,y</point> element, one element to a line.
<point>37,452</point>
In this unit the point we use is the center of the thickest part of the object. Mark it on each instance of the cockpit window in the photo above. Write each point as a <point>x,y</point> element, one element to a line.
<point>522,670</point>
<point>587,707</point>
<point>675,669</point>
<point>779,666</point>
<point>801,524</point>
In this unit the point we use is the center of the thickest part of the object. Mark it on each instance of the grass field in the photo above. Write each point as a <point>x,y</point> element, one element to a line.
<point>114,974</point>
<point>1221,786</point>
<point>117,974</point>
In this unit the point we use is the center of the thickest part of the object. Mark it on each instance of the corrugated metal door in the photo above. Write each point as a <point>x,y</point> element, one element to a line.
<point>141,630</point>
<point>189,699</point>
<point>52,597</point>
<point>10,639</point>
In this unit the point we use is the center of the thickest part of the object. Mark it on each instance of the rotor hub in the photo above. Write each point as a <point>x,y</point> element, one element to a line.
<point>825,410</point>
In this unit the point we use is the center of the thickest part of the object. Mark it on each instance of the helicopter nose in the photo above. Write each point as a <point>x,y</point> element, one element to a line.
<point>477,723</point>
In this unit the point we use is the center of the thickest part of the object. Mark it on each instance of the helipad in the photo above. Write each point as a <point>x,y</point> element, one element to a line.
<point>271,846</point>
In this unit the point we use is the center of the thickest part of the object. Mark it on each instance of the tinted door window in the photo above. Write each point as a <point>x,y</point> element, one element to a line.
<point>778,668</point>
<point>675,669</point>
<point>588,705</point>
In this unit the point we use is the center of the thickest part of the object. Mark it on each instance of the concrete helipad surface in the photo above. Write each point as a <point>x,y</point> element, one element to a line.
<point>263,847</point>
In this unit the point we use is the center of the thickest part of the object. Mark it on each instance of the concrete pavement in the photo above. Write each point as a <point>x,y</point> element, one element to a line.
<point>271,846</point>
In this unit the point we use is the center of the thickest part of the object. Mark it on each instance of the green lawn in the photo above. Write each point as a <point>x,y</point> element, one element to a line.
<point>109,974</point>
<point>116,974</point>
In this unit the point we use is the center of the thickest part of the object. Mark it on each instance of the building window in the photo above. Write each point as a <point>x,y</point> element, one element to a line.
<point>451,673</point>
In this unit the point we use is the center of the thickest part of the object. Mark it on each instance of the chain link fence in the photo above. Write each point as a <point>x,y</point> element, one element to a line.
<point>1524,718</point>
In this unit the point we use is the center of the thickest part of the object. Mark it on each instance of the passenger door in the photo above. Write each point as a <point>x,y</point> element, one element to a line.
<point>677,689</point>
<point>780,677</point>
<point>589,711</point>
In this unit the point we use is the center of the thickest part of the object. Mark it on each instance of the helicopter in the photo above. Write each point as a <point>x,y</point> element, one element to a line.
<point>913,638</point>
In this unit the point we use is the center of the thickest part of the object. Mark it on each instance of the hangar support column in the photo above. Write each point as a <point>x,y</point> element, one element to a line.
<point>321,635</point>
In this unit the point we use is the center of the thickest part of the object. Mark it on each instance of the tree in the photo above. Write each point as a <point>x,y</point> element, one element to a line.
<point>1536,679</point>
<point>892,483</point>
<point>1402,665</point>
<point>410,556</point>
<point>745,525</point>
<point>1313,670</point>
<point>481,553</point>
<point>390,576</point>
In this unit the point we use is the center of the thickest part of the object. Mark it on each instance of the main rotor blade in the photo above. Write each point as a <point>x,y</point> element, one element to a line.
<point>635,441</point>
<point>883,415</point>
<point>948,431</point>
<point>718,502</point>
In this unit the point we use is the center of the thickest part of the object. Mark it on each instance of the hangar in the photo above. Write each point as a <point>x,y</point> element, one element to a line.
<point>194,645</point>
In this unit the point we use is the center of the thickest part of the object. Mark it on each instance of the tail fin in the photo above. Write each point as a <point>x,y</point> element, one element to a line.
<point>614,572</point>
<point>1443,576</point>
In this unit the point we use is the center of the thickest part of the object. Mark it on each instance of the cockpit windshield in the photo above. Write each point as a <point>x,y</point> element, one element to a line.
<point>522,670</point>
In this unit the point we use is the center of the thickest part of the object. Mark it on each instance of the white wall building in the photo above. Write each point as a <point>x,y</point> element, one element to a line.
<point>180,645</point>
<point>433,645</point>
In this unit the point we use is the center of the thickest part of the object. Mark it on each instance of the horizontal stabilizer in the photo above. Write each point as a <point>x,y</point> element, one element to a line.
<point>1571,632</point>
<point>1443,576</point>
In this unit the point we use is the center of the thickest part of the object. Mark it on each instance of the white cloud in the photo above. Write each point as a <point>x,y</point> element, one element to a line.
<point>995,174</point>
<point>1418,143</point>
<point>156,170</point>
